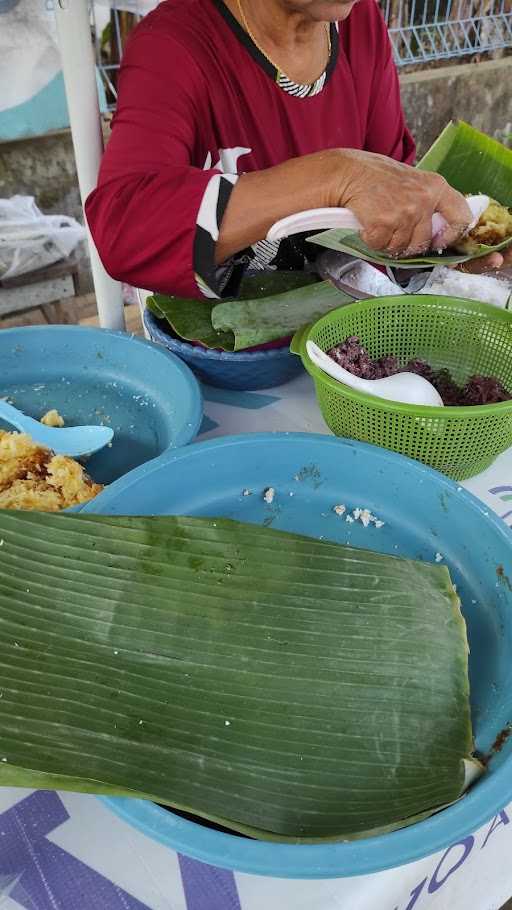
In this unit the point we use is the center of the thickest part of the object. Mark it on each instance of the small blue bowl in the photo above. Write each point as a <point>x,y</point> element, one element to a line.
<point>150,398</point>
<point>242,370</point>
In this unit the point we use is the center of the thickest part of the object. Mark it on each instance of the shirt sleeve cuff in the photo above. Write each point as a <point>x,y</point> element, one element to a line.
<point>215,281</point>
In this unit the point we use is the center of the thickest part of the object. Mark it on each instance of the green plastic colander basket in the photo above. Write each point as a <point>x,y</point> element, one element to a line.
<point>466,337</point>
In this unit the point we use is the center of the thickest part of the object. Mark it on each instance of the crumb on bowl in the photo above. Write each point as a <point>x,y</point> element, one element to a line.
<point>364,515</point>
<point>52,419</point>
<point>269,495</point>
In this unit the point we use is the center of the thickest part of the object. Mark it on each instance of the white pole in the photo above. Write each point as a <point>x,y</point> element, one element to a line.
<point>74,34</point>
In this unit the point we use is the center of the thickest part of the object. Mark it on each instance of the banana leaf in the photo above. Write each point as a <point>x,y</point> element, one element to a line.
<point>191,320</point>
<point>255,322</point>
<point>345,241</point>
<point>472,163</point>
<point>268,284</point>
<point>269,307</point>
<point>283,687</point>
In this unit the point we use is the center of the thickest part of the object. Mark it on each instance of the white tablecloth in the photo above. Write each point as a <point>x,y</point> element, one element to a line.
<point>61,851</point>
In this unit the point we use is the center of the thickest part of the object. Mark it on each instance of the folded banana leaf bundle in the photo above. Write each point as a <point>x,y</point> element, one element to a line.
<point>283,687</point>
<point>272,307</point>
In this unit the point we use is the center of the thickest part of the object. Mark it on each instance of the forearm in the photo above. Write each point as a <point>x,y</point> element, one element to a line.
<point>393,202</point>
<point>261,198</point>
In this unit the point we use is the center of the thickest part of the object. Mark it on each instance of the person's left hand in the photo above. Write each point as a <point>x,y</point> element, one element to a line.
<point>492,263</point>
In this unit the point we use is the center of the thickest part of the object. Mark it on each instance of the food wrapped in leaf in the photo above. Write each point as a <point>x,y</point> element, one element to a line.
<point>494,226</point>
<point>283,687</point>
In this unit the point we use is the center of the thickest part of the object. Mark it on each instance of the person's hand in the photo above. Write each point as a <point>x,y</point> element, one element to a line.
<point>394,202</point>
<point>492,263</point>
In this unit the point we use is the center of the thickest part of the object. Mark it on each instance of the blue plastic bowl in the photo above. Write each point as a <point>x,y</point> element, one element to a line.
<point>424,513</point>
<point>243,370</point>
<point>149,397</point>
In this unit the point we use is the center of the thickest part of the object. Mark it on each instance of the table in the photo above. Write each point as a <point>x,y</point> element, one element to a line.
<point>62,851</point>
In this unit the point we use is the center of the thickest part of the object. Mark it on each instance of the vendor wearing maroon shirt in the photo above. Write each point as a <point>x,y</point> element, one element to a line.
<point>233,114</point>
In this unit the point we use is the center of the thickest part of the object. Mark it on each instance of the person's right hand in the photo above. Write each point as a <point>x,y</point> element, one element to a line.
<point>395,202</point>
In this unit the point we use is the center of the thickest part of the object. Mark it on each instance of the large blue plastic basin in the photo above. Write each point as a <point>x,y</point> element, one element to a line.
<point>424,514</point>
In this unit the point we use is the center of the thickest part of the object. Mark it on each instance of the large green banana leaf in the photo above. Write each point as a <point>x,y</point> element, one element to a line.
<point>283,687</point>
<point>472,163</point>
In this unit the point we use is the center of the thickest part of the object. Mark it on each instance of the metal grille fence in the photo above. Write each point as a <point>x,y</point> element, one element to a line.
<point>421,31</point>
<point>425,30</point>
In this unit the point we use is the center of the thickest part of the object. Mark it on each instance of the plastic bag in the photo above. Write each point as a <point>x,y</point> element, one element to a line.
<point>492,289</point>
<point>30,240</point>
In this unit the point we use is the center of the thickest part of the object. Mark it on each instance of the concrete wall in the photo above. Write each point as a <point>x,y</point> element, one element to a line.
<point>479,93</point>
<point>44,167</point>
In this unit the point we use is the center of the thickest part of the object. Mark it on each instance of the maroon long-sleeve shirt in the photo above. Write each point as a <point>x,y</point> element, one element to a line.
<point>198,106</point>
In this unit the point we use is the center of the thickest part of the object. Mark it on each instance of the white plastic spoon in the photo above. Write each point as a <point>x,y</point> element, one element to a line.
<point>408,388</point>
<point>323,219</point>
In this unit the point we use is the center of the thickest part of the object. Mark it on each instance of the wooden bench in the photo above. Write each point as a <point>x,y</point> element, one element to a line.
<point>37,290</point>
